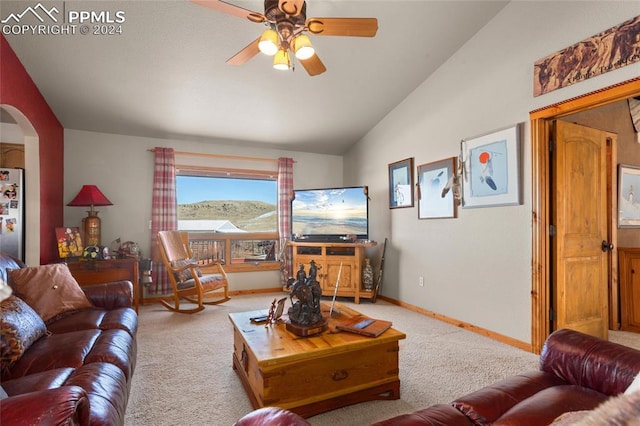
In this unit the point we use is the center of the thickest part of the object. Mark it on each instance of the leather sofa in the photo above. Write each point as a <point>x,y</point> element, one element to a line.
<point>80,370</point>
<point>577,373</point>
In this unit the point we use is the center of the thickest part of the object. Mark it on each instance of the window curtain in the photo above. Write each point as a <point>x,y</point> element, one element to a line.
<point>285,192</point>
<point>163,213</point>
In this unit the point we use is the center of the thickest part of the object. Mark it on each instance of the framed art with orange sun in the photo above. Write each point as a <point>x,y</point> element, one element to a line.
<point>491,169</point>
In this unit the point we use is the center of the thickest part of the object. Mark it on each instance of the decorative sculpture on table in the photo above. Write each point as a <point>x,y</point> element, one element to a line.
<point>271,315</point>
<point>305,315</point>
<point>275,312</point>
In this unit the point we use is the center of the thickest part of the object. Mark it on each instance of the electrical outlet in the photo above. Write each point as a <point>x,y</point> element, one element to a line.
<point>421,281</point>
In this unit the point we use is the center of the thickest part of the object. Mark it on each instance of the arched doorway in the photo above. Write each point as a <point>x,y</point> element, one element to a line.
<point>23,129</point>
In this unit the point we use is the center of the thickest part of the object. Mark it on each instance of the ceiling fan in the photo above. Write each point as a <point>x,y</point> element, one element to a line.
<point>287,23</point>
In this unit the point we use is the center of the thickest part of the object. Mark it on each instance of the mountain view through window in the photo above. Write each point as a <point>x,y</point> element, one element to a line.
<point>229,204</point>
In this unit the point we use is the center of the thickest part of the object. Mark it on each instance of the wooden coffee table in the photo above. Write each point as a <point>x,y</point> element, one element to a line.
<point>311,375</point>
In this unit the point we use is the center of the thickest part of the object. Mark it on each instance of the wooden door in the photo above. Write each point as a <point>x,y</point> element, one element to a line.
<point>579,216</point>
<point>344,268</point>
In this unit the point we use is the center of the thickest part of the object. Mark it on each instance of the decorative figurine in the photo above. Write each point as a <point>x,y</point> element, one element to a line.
<point>275,312</point>
<point>272,314</point>
<point>305,315</point>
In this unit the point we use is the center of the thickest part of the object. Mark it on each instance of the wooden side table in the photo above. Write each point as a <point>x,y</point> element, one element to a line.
<point>105,271</point>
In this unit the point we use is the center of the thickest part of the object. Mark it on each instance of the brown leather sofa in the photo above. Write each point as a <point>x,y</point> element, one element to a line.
<point>577,372</point>
<point>80,371</point>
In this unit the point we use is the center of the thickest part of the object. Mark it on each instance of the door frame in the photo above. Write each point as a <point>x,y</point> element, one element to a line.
<point>540,201</point>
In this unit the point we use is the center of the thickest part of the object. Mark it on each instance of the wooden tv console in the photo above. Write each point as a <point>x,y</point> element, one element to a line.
<point>329,257</point>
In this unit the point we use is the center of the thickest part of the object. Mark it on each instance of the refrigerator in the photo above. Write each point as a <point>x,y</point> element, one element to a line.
<point>12,212</point>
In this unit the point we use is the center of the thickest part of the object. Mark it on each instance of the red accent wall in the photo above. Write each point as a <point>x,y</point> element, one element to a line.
<point>18,90</point>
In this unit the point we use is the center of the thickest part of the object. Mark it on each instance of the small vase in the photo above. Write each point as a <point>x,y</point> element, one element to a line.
<point>367,275</point>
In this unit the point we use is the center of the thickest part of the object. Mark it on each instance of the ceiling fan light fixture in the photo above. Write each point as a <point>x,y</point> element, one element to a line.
<point>302,47</point>
<point>282,61</point>
<point>268,43</point>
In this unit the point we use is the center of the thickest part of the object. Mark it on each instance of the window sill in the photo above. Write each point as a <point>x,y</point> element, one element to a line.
<point>252,267</point>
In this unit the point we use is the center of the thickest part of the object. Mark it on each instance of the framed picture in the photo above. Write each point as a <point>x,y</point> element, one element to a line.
<point>401,184</point>
<point>628,202</point>
<point>69,242</point>
<point>491,172</point>
<point>435,192</point>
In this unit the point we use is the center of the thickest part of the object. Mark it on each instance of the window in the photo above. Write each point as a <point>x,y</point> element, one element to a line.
<point>221,204</point>
<point>229,215</point>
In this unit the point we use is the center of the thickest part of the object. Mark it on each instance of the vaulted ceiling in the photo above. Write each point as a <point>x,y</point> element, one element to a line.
<point>165,74</point>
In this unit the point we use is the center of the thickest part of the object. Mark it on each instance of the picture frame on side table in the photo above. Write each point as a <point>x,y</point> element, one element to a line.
<point>492,173</point>
<point>628,196</point>
<point>401,184</point>
<point>435,194</point>
<point>69,242</point>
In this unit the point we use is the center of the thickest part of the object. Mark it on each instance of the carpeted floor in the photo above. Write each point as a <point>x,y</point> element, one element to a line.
<point>184,375</point>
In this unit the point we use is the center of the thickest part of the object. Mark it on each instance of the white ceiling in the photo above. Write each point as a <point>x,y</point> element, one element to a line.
<point>165,76</point>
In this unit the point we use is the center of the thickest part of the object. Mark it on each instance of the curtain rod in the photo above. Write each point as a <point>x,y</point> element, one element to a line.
<point>232,157</point>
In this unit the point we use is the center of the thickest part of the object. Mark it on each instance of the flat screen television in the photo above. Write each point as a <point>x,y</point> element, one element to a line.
<point>330,214</point>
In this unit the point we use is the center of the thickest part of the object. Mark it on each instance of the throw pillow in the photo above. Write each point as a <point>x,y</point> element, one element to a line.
<point>618,407</point>
<point>634,386</point>
<point>623,409</point>
<point>570,418</point>
<point>20,326</point>
<point>186,274</point>
<point>50,290</point>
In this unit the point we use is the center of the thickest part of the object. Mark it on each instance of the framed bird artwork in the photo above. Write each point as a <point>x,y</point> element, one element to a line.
<point>491,169</point>
<point>435,199</point>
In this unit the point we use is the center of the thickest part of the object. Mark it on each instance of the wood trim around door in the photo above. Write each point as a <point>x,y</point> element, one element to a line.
<point>540,187</point>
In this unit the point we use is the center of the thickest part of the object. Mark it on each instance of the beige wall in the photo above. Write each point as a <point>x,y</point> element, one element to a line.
<point>476,268</point>
<point>122,167</point>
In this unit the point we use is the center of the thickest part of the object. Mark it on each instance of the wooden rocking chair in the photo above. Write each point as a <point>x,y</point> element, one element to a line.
<point>186,279</point>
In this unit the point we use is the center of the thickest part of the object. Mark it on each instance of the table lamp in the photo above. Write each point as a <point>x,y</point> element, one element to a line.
<point>90,195</point>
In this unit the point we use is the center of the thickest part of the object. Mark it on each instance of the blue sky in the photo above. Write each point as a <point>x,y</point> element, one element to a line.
<point>191,189</point>
<point>339,202</point>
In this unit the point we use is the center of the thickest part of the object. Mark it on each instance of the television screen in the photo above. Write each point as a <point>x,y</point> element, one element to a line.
<point>330,214</point>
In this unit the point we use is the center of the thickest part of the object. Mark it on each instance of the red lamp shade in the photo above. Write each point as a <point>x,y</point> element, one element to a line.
<point>90,195</point>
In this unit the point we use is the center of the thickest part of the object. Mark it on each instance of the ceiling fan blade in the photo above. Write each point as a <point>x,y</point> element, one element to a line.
<point>230,9</point>
<point>291,7</point>
<point>351,27</point>
<point>245,54</point>
<point>313,65</point>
